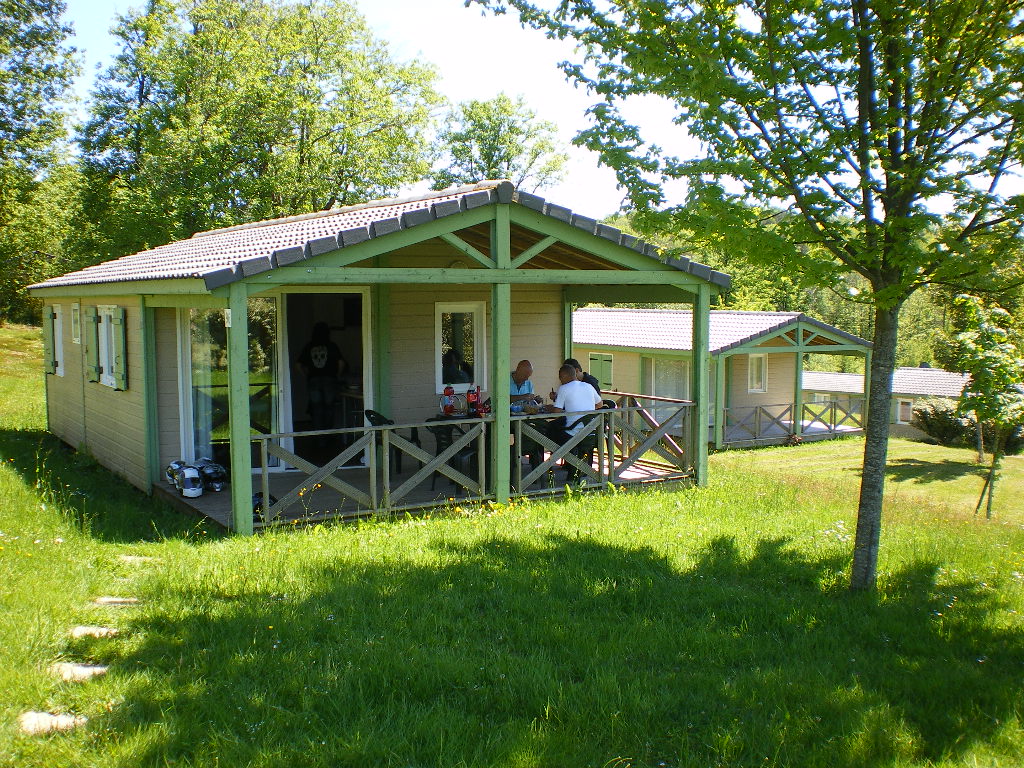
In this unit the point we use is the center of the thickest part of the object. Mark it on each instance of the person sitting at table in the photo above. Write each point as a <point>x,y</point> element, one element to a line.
<point>573,398</point>
<point>582,375</point>
<point>520,386</point>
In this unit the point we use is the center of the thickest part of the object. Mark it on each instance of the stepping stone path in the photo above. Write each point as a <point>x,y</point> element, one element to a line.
<point>84,631</point>
<point>77,673</point>
<point>39,723</point>
<point>106,600</point>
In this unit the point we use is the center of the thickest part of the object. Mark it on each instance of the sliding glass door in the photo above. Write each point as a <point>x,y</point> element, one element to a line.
<point>208,377</point>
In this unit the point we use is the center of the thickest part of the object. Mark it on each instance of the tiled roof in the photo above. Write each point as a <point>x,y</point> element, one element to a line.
<point>222,256</point>
<point>928,382</point>
<point>671,329</point>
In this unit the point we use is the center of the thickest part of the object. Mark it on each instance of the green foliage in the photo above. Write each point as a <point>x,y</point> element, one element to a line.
<point>499,139</point>
<point>831,135</point>
<point>996,367</point>
<point>36,67</point>
<point>217,113</point>
<point>941,420</point>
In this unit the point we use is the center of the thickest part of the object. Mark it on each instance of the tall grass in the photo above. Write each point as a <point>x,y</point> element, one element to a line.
<point>671,627</point>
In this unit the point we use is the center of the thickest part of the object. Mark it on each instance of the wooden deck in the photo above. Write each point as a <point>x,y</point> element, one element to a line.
<point>322,503</point>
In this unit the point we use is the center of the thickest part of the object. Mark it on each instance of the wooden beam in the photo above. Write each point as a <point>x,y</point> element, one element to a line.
<point>296,275</point>
<point>149,391</point>
<point>184,301</point>
<point>614,294</point>
<point>532,251</point>
<point>193,286</point>
<point>238,410</point>
<point>719,400</point>
<point>465,248</point>
<point>699,371</point>
<point>501,363</point>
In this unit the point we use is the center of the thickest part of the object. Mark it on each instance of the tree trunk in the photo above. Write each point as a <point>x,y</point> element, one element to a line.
<point>876,448</point>
<point>997,454</point>
<point>979,435</point>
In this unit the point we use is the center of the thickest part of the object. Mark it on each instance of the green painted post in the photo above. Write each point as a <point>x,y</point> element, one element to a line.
<point>719,401</point>
<point>798,386</point>
<point>149,391</point>
<point>381,346</point>
<point>566,325</point>
<point>501,363</point>
<point>238,409</point>
<point>699,371</point>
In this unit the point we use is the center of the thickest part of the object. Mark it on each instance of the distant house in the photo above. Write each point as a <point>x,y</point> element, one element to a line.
<point>909,385</point>
<point>756,367</point>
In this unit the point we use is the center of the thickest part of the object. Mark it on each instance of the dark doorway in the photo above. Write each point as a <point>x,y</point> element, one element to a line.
<point>343,315</point>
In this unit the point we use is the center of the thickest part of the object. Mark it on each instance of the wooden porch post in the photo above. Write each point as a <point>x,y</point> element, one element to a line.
<point>699,371</point>
<point>501,364</point>
<point>381,343</point>
<point>238,409</point>
<point>719,401</point>
<point>149,391</point>
<point>798,389</point>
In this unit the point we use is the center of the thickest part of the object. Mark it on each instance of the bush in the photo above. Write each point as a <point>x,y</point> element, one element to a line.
<point>937,417</point>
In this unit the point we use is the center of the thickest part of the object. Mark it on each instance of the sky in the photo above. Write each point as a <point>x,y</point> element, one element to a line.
<point>477,57</point>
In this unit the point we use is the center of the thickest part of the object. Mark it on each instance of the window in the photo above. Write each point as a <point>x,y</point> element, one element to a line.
<point>53,339</point>
<point>904,411</point>
<point>459,346</point>
<point>601,369</point>
<point>76,323</point>
<point>665,377</point>
<point>105,346</point>
<point>757,373</point>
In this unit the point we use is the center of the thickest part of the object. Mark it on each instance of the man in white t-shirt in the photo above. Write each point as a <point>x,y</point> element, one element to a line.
<point>573,398</point>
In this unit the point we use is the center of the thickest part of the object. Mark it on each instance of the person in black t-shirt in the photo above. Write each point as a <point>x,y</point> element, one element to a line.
<point>582,375</point>
<point>322,362</point>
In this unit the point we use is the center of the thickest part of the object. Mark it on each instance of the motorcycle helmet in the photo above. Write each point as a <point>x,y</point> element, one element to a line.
<point>172,470</point>
<point>188,482</point>
<point>213,475</point>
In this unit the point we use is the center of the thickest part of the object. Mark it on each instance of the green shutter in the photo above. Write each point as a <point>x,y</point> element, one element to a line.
<point>49,363</point>
<point>119,360</point>
<point>92,344</point>
<point>601,369</point>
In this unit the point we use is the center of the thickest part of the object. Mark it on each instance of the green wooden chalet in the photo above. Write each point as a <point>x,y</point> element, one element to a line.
<point>189,350</point>
<point>756,368</point>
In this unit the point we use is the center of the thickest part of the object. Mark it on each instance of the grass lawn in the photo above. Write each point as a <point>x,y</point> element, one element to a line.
<point>707,627</point>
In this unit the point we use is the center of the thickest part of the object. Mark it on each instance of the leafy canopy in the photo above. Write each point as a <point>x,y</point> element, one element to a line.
<point>499,139</point>
<point>218,112</point>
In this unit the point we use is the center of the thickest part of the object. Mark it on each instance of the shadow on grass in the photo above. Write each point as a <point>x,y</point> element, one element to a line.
<point>930,471</point>
<point>565,653</point>
<point>89,496</point>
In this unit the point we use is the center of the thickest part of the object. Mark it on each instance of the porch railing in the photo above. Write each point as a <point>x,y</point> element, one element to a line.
<point>774,423</point>
<point>642,440</point>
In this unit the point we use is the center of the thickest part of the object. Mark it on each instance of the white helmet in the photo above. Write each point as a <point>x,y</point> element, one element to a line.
<point>188,482</point>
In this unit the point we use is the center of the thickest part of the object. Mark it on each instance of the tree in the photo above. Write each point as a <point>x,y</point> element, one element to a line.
<point>36,67</point>
<point>995,394</point>
<point>218,112</point>
<point>884,131</point>
<point>499,139</point>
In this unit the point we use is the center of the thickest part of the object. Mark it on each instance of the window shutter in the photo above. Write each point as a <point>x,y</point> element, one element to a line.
<point>120,361</point>
<point>49,364</point>
<point>92,343</point>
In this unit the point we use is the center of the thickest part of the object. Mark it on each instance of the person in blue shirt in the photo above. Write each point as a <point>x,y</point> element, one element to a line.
<point>520,386</point>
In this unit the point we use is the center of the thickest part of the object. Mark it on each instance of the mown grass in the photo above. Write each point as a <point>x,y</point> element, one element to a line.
<point>668,628</point>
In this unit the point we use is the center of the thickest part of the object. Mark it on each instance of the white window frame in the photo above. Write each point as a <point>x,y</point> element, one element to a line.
<point>76,323</point>
<point>105,344</point>
<point>479,311</point>
<point>58,340</point>
<point>900,402</point>
<point>761,385</point>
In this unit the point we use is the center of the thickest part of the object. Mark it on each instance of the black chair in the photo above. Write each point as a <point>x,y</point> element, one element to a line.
<point>464,460</point>
<point>380,420</point>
